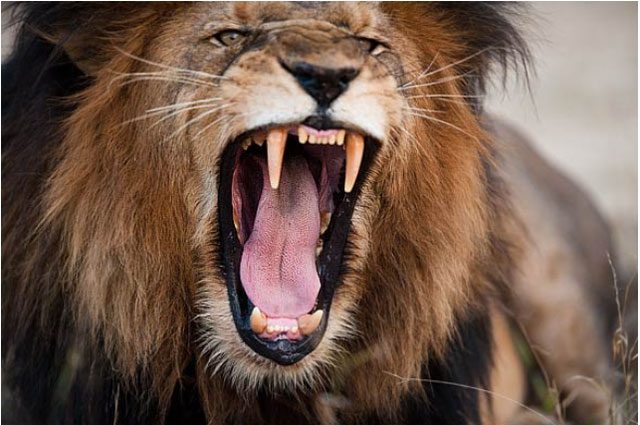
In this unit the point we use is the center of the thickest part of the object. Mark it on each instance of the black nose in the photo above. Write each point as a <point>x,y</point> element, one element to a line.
<point>323,84</point>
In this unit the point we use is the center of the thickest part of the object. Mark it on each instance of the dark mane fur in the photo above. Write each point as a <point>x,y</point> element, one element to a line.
<point>54,371</point>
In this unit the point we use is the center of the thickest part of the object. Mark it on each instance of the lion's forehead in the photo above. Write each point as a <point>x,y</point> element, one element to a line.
<point>355,17</point>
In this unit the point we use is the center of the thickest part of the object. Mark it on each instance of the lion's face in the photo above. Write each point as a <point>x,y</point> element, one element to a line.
<point>288,180</point>
<point>290,108</point>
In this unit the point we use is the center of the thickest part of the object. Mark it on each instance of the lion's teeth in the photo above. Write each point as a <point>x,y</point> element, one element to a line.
<point>258,138</point>
<point>312,139</point>
<point>332,139</point>
<point>258,321</point>
<point>246,143</point>
<point>276,142</point>
<point>236,221</point>
<point>325,218</point>
<point>294,330</point>
<point>355,149</point>
<point>307,323</point>
<point>302,135</point>
<point>340,137</point>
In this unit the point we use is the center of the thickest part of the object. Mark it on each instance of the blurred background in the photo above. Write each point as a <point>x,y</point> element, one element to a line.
<point>582,110</point>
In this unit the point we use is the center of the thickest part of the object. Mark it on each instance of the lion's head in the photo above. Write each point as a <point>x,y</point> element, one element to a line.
<point>272,189</point>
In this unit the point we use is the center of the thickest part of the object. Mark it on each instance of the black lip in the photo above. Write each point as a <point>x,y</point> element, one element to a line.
<point>330,261</point>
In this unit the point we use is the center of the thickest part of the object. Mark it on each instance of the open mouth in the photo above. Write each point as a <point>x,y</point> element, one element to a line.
<point>286,198</point>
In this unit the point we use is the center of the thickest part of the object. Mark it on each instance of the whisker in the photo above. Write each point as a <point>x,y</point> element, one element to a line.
<point>409,108</point>
<point>198,118</point>
<point>168,79</point>
<point>437,120</point>
<point>174,113</point>
<point>155,111</point>
<point>457,102</point>
<point>458,62</point>
<point>471,387</point>
<point>206,127</point>
<point>161,74</point>
<point>440,81</point>
<point>165,66</point>
<point>178,105</point>
<point>419,77</point>
<point>446,96</point>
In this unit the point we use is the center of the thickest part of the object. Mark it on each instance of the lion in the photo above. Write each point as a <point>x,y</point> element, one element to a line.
<point>285,212</point>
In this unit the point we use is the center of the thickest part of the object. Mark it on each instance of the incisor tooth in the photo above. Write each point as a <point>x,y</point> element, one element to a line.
<point>302,135</point>
<point>276,142</point>
<point>340,137</point>
<point>258,138</point>
<point>332,139</point>
<point>355,149</point>
<point>312,138</point>
<point>258,321</point>
<point>307,323</point>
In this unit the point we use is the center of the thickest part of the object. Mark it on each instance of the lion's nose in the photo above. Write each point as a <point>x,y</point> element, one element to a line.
<point>323,84</point>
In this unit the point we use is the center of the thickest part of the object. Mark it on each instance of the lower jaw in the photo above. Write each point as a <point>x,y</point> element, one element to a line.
<point>329,263</point>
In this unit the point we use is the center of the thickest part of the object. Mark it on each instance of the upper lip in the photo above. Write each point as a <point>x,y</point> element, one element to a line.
<point>329,262</point>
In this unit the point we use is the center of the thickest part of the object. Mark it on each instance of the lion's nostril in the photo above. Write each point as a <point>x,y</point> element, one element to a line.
<point>323,84</point>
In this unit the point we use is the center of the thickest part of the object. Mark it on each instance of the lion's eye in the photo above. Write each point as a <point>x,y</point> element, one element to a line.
<point>230,37</point>
<point>373,46</point>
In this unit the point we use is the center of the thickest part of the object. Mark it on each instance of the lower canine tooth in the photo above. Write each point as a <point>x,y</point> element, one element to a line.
<point>236,222</point>
<point>355,149</point>
<point>325,218</point>
<point>276,142</point>
<point>258,321</point>
<point>307,323</point>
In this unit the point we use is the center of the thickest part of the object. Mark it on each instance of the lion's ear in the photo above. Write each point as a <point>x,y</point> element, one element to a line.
<point>83,48</point>
<point>478,36</point>
<point>85,31</point>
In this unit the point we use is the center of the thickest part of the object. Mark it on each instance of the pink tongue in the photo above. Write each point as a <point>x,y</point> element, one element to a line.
<point>278,267</point>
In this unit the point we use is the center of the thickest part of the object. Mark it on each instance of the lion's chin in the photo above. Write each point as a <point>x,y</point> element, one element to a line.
<point>286,198</point>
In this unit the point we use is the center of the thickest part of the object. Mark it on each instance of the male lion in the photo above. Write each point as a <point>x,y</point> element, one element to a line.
<point>284,213</point>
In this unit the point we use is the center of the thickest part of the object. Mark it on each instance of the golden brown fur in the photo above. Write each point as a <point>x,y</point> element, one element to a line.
<point>132,208</point>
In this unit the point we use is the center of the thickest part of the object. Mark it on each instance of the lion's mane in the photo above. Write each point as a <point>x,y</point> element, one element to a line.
<point>100,272</point>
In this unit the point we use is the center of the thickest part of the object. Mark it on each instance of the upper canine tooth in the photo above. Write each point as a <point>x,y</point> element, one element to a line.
<point>307,323</point>
<point>276,142</point>
<point>340,137</point>
<point>302,135</point>
<point>355,149</point>
<point>246,143</point>
<point>258,321</point>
